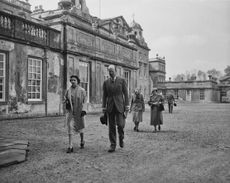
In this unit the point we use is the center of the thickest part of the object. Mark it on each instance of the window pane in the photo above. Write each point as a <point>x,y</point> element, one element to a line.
<point>30,62</point>
<point>38,63</point>
<point>37,69</point>
<point>29,76</point>
<point>30,69</point>
<point>38,83</point>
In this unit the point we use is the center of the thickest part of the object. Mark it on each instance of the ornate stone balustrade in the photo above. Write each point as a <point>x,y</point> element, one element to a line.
<point>16,27</point>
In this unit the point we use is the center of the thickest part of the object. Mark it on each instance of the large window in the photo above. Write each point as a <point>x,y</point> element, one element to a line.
<point>84,77</point>
<point>135,79</point>
<point>119,72</point>
<point>202,94</point>
<point>140,70</point>
<point>145,70</point>
<point>2,76</point>
<point>106,72</point>
<point>176,94</point>
<point>127,78</point>
<point>34,79</point>
<point>223,93</point>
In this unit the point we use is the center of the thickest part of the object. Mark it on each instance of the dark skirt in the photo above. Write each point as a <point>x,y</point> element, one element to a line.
<point>156,116</point>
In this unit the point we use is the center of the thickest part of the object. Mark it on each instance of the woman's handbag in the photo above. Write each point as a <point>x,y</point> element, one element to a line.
<point>67,104</point>
<point>161,107</point>
<point>175,104</point>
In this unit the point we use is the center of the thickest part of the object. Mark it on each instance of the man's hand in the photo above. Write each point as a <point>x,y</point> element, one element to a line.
<point>125,114</point>
<point>104,110</point>
<point>83,113</point>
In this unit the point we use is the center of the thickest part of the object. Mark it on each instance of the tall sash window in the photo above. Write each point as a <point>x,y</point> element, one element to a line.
<point>34,79</point>
<point>2,76</point>
<point>84,77</point>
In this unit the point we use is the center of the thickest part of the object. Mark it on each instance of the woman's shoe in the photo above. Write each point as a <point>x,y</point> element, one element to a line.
<point>69,150</point>
<point>135,128</point>
<point>159,128</point>
<point>82,144</point>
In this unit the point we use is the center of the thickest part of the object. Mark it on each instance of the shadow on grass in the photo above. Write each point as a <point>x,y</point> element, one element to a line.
<point>153,131</point>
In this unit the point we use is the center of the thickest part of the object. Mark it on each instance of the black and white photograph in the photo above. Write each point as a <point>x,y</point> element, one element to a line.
<point>114,91</point>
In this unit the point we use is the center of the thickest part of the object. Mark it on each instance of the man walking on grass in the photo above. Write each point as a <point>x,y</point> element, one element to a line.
<point>116,103</point>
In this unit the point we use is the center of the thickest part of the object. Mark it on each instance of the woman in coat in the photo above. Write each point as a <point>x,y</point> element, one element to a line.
<point>75,100</point>
<point>137,107</point>
<point>156,102</point>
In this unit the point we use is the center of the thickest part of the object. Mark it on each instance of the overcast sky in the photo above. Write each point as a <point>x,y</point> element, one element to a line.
<point>191,34</point>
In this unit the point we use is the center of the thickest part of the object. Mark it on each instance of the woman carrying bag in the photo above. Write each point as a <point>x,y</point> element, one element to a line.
<point>156,103</point>
<point>137,107</point>
<point>75,100</point>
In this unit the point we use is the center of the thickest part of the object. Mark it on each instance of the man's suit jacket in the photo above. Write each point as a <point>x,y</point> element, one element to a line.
<point>115,93</point>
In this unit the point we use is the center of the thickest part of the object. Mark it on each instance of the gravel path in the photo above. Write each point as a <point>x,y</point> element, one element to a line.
<point>193,146</point>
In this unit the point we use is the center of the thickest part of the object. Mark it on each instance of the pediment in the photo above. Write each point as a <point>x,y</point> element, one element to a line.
<point>117,25</point>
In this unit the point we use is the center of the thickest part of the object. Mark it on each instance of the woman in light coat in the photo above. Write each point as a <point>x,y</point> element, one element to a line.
<point>75,100</point>
<point>137,107</point>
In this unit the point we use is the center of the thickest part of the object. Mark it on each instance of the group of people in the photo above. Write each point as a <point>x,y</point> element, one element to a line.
<point>115,104</point>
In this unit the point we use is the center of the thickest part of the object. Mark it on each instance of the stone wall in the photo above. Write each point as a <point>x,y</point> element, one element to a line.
<point>17,103</point>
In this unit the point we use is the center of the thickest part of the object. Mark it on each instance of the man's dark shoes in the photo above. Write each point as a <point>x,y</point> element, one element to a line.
<point>69,150</point>
<point>121,143</point>
<point>111,150</point>
<point>82,144</point>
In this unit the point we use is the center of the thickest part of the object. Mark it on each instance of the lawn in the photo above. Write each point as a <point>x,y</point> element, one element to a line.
<point>193,146</point>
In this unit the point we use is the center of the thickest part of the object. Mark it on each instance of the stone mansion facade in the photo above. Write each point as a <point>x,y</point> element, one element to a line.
<point>39,51</point>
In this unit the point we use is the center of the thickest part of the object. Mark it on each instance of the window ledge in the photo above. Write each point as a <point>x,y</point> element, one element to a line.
<point>3,103</point>
<point>36,102</point>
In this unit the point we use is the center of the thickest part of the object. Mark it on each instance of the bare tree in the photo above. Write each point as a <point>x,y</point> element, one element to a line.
<point>179,77</point>
<point>201,75</point>
<point>227,70</point>
<point>192,77</point>
<point>215,73</point>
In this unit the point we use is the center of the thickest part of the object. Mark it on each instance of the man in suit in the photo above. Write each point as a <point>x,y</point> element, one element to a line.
<point>171,102</point>
<point>116,103</point>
